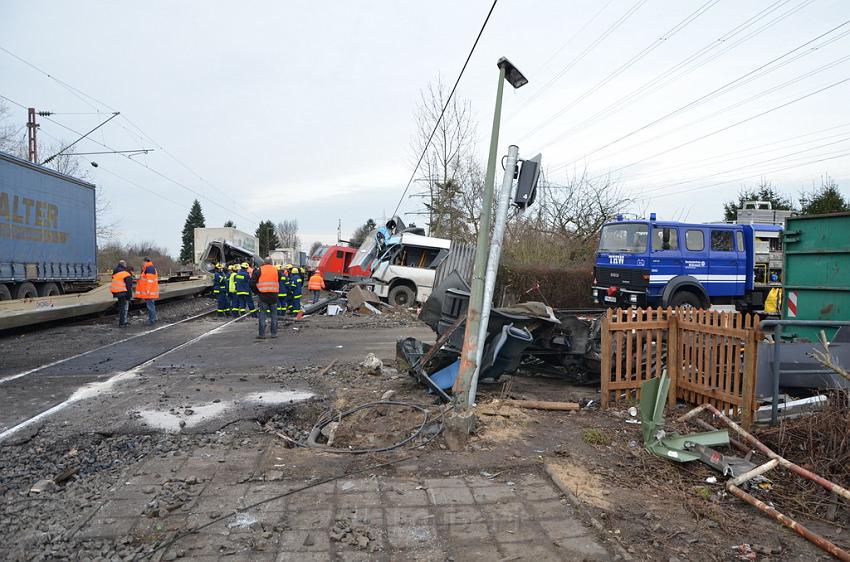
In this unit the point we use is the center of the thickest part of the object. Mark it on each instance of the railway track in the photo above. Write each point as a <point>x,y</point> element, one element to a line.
<point>33,395</point>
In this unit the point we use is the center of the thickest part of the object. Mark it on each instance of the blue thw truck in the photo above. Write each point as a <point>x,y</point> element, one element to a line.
<point>47,231</point>
<point>661,263</point>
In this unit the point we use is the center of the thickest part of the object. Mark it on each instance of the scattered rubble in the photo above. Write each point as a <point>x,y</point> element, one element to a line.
<point>360,536</point>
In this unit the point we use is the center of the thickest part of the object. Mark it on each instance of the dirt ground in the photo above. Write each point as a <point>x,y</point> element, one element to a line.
<point>642,507</point>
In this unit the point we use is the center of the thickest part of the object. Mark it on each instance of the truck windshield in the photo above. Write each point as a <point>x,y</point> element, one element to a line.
<point>628,238</point>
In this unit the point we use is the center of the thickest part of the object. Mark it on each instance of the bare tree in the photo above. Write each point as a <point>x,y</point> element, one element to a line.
<point>313,247</point>
<point>449,167</point>
<point>562,226</point>
<point>287,232</point>
<point>8,133</point>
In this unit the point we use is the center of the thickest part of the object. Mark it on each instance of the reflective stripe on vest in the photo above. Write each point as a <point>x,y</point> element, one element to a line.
<point>268,280</point>
<point>118,282</point>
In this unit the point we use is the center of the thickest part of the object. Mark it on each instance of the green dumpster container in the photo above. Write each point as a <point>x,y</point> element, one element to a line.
<point>817,271</point>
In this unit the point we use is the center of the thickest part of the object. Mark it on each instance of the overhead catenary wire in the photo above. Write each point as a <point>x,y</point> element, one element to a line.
<point>761,173</point>
<point>587,50</point>
<point>98,104</point>
<point>684,67</point>
<point>746,152</point>
<point>157,172</point>
<point>740,103</point>
<point>735,124</point>
<point>135,184</point>
<point>728,86</point>
<point>690,18</point>
<point>784,157</point>
<point>445,106</point>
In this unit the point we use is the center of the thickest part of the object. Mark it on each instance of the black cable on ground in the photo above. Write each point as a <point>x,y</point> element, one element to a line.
<point>324,420</point>
<point>194,530</point>
<point>274,498</point>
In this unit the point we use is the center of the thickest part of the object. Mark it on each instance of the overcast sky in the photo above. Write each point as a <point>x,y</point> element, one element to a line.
<point>305,110</point>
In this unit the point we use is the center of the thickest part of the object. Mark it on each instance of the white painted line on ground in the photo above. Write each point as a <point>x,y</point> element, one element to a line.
<point>95,389</point>
<point>60,361</point>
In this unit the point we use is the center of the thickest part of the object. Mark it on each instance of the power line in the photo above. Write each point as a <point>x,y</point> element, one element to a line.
<point>717,91</point>
<point>131,182</point>
<point>157,172</point>
<point>786,157</point>
<point>625,66</point>
<point>682,67</point>
<point>727,127</point>
<point>573,37</point>
<point>88,99</point>
<point>773,171</point>
<point>587,50</point>
<point>445,106</point>
<point>743,152</point>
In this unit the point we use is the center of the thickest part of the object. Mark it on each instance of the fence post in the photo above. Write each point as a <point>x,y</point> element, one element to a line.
<point>605,360</point>
<point>672,355</point>
<point>749,383</point>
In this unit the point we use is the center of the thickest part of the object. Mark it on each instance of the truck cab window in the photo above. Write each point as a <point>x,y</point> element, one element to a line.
<point>695,240</point>
<point>664,238</point>
<point>739,236</point>
<point>721,241</point>
<point>628,238</point>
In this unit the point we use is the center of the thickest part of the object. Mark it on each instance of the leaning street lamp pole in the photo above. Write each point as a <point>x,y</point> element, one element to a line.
<point>471,341</point>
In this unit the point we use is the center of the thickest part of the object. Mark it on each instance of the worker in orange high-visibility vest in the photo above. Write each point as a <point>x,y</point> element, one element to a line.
<point>147,288</point>
<point>122,289</point>
<point>316,284</point>
<point>266,283</point>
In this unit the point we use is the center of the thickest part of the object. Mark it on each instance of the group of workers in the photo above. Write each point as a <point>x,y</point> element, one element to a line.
<point>125,287</point>
<point>278,291</point>
<point>232,288</point>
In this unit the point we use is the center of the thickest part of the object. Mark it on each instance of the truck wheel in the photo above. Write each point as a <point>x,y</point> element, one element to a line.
<point>401,295</point>
<point>49,290</point>
<point>5,293</point>
<point>685,299</point>
<point>26,291</point>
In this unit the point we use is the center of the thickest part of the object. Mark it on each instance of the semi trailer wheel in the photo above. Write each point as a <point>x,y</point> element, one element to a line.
<point>26,291</point>
<point>49,290</point>
<point>5,293</point>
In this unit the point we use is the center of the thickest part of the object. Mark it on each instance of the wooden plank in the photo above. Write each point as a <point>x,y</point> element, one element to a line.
<point>672,357</point>
<point>630,335</point>
<point>544,405</point>
<point>605,360</point>
<point>640,370</point>
<point>749,382</point>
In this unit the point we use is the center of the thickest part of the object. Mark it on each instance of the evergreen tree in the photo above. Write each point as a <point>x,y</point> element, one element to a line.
<point>823,201</point>
<point>267,235</point>
<point>229,223</point>
<point>193,221</point>
<point>765,191</point>
<point>362,232</point>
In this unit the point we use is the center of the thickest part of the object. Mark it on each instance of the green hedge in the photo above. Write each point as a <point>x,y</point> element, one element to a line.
<point>560,287</point>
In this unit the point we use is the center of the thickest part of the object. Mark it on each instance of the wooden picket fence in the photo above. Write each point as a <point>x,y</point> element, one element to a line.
<point>710,356</point>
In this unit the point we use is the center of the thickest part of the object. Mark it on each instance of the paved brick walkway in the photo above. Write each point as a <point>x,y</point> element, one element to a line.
<point>449,518</point>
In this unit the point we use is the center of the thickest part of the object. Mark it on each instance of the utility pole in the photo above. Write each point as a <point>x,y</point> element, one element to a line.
<point>505,196</point>
<point>32,145</point>
<point>339,230</point>
<point>460,424</point>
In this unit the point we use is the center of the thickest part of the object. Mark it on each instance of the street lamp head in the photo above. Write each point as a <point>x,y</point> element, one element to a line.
<point>512,74</point>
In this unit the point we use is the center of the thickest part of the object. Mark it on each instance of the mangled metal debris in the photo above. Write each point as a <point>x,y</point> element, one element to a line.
<point>679,448</point>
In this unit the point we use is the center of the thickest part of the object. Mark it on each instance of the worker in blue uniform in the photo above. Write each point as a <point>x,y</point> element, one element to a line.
<point>296,283</point>
<point>232,299</point>
<point>243,290</point>
<point>283,292</point>
<point>220,291</point>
